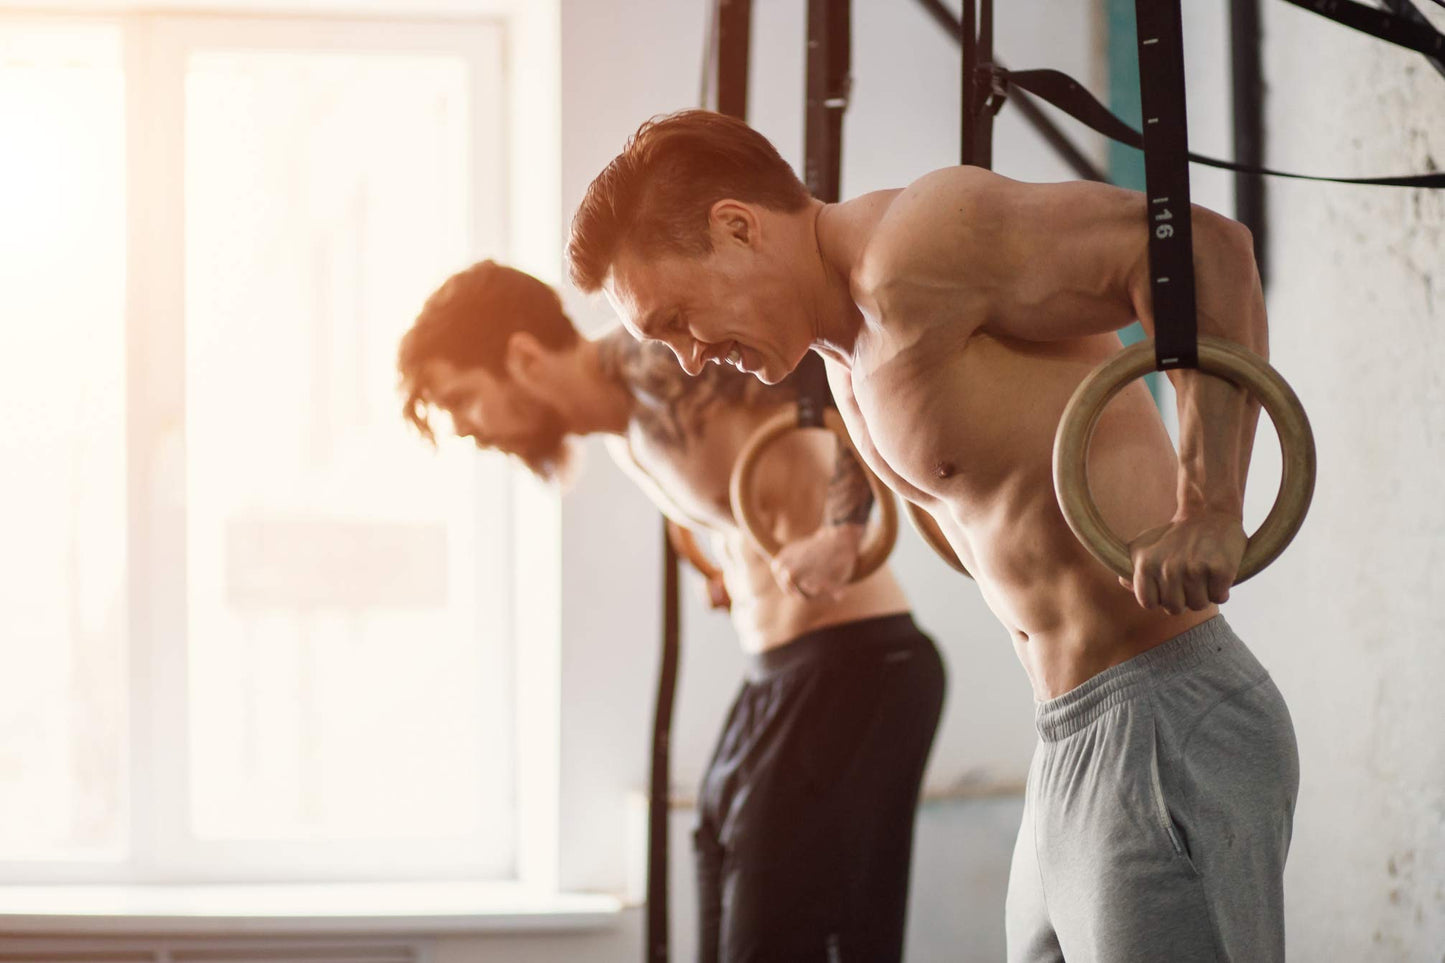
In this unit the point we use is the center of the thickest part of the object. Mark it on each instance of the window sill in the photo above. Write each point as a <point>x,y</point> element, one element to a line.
<point>290,909</point>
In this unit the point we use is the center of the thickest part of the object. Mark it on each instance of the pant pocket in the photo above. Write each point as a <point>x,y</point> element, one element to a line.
<point>1178,841</point>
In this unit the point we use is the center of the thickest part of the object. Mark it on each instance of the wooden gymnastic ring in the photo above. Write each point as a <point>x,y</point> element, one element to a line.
<point>880,537</point>
<point>685,544</point>
<point>928,530</point>
<point>1223,359</point>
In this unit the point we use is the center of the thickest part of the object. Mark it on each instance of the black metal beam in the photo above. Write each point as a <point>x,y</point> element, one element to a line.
<point>982,83</point>
<point>1247,91</point>
<point>1028,108</point>
<point>829,61</point>
<point>967,37</point>
<point>1412,13</point>
<point>734,43</point>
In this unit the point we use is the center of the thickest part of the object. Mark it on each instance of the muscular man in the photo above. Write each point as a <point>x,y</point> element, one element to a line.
<point>806,811</point>
<point>957,315</point>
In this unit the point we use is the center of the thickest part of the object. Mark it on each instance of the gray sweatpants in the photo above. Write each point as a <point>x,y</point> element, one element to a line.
<point>1158,813</point>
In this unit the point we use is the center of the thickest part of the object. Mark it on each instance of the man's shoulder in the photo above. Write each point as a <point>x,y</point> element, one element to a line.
<point>923,222</point>
<point>943,193</point>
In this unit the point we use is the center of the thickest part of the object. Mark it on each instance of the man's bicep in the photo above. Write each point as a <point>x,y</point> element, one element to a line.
<point>1068,260</point>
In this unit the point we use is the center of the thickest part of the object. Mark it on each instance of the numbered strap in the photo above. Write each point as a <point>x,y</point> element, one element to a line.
<point>1166,179</point>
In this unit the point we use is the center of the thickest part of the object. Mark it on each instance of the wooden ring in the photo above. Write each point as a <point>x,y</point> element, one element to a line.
<point>877,543</point>
<point>927,528</point>
<point>684,543</point>
<point>1223,359</point>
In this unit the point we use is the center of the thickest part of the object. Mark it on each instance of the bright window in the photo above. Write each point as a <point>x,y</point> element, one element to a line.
<point>250,627</point>
<point>63,608</point>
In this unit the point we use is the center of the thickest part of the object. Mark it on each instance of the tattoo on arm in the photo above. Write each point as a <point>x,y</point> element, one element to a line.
<point>672,406</point>
<point>850,498</point>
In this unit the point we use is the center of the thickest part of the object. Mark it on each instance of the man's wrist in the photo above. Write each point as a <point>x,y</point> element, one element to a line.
<point>1202,498</point>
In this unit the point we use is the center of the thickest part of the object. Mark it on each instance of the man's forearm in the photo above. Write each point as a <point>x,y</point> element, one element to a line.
<point>850,498</point>
<point>1217,419</point>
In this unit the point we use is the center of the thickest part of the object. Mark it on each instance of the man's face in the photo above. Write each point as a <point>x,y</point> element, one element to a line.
<point>729,306</point>
<point>497,413</point>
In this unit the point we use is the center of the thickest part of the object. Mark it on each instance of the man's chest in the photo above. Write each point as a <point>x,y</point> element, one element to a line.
<point>963,421</point>
<point>691,463</point>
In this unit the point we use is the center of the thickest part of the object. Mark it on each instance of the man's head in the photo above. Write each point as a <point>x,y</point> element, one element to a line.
<point>701,235</point>
<point>477,352</point>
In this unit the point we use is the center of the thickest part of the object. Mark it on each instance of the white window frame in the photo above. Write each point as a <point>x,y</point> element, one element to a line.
<point>527,162</point>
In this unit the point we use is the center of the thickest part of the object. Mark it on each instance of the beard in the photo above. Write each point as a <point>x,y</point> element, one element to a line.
<point>546,450</point>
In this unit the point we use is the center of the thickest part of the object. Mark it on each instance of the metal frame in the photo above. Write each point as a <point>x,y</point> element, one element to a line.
<point>978,48</point>
<point>1247,94</point>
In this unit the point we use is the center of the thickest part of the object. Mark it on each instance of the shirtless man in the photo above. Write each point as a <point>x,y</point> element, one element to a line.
<point>956,316</point>
<point>806,811</point>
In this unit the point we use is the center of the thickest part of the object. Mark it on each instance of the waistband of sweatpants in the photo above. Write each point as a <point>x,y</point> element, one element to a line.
<point>831,642</point>
<point>1211,642</point>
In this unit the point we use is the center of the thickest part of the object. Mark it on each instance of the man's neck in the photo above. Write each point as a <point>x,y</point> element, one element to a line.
<point>599,402</point>
<point>839,241</point>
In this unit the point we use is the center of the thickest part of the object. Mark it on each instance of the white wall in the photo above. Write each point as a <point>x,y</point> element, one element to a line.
<point>1349,621</point>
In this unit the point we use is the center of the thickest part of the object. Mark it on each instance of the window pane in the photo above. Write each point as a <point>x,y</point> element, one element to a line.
<point>62,437</point>
<point>348,646</point>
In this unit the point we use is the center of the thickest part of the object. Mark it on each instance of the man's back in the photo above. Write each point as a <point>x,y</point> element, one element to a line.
<point>682,445</point>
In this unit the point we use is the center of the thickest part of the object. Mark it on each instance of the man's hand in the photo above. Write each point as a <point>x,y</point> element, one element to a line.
<point>821,564</point>
<point>1187,564</point>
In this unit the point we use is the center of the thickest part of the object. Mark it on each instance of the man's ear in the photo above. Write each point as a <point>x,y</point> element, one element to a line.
<point>734,221</point>
<point>526,360</point>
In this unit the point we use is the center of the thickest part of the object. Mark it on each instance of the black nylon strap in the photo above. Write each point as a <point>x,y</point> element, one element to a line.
<point>811,381</point>
<point>659,781</point>
<point>732,23</point>
<point>1166,180</point>
<point>1414,34</point>
<point>1067,94</point>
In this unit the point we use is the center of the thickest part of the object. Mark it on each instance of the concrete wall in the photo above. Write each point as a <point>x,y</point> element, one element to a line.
<point>1349,621</point>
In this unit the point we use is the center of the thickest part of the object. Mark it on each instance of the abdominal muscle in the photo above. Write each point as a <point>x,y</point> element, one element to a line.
<point>765,615</point>
<point>1067,614</point>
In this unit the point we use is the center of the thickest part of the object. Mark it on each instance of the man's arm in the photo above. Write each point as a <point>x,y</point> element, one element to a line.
<point>1216,426</point>
<point>717,591</point>
<point>672,406</point>
<point>1063,261</point>
<point>850,498</point>
<point>821,564</point>
<point>672,410</point>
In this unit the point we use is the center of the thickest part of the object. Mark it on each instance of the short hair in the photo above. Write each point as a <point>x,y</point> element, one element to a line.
<point>655,196</point>
<point>468,321</point>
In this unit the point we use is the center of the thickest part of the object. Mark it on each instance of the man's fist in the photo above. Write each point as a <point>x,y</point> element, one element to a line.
<point>1189,563</point>
<point>821,564</point>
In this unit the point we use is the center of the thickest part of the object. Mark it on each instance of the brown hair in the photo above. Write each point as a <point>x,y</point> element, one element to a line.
<point>657,193</point>
<point>468,321</point>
